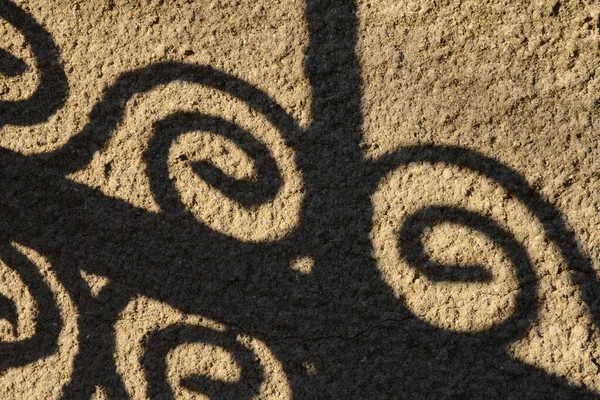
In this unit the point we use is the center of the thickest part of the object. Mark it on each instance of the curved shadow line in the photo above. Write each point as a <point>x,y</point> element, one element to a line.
<point>47,330</point>
<point>411,248</point>
<point>52,88</point>
<point>552,221</point>
<point>247,193</point>
<point>78,151</point>
<point>159,343</point>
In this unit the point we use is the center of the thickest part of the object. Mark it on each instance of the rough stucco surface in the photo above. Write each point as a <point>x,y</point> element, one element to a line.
<point>279,199</point>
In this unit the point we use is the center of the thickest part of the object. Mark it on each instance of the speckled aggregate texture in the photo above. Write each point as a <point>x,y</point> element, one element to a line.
<point>392,199</point>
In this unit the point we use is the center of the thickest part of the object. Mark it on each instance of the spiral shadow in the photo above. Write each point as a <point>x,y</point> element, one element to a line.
<point>341,319</point>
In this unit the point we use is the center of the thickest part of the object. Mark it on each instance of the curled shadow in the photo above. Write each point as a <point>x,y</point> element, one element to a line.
<point>479,365</point>
<point>411,245</point>
<point>411,248</point>
<point>554,224</point>
<point>52,88</point>
<point>331,142</point>
<point>248,193</point>
<point>44,341</point>
<point>159,343</point>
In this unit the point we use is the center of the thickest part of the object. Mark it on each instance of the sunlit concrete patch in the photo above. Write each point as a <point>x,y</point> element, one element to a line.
<point>95,282</point>
<point>120,171</point>
<point>99,394</point>
<point>144,317</point>
<point>560,340</point>
<point>487,75</point>
<point>303,265</point>
<point>44,378</point>
<point>209,360</point>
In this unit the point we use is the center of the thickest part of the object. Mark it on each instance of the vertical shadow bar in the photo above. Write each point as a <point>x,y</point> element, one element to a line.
<point>333,70</point>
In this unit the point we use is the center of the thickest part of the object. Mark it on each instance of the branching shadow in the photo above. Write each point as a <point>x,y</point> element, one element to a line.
<point>361,341</point>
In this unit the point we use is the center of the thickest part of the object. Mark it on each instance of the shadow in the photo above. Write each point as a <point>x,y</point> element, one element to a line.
<point>342,319</point>
<point>247,193</point>
<point>10,65</point>
<point>44,341</point>
<point>8,310</point>
<point>52,88</point>
<point>411,245</point>
<point>554,224</point>
<point>158,345</point>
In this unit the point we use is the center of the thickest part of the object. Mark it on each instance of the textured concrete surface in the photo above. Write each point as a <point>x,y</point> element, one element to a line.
<point>283,199</point>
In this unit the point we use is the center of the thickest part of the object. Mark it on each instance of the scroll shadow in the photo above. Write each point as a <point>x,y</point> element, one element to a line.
<point>160,343</point>
<point>555,227</point>
<point>485,361</point>
<point>248,193</point>
<point>52,89</point>
<point>363,341</point>
<point>411,245</point>
<point>411,248</point>
<point>108,113</point>
<point>44,341</point>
